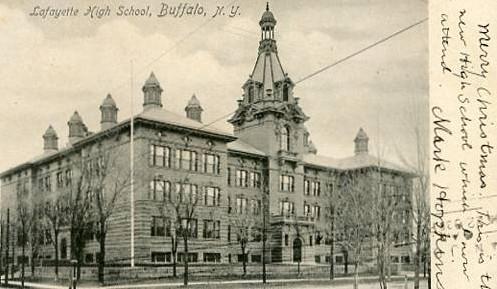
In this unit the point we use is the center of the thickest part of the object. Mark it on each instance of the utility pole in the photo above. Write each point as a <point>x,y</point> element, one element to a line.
<point>264,235</point>
<point>6,274</point>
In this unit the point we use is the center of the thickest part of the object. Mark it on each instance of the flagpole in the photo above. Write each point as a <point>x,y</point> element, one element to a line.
<point>132,194</point>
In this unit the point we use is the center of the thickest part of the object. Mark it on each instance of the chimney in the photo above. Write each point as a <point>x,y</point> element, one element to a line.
<point>152,93</point>
<point>50,139</point>
<point>108,111</point>
<point>77,129</point>
<point>193,109</point>
<point>361,142</point>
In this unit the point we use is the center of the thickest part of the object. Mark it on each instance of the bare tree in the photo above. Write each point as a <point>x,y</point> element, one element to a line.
<point>420,208</point>
<point>23,216</point>
<point>108,181</point>
<point>55,212</point>
<point>416,114</point>
<point>79,200</point>
<point>182,205</point>
<point>172,229</point>
<point>35,223</point>
<point>384,206</point>
<point>247,227</point>
<point>329,225</point>
<point>352,200</point>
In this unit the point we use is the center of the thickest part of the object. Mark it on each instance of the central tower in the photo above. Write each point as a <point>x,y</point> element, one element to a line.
<point>268,115</point>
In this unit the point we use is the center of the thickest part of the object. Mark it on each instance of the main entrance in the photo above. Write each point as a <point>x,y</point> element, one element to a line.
<point>297,250</point>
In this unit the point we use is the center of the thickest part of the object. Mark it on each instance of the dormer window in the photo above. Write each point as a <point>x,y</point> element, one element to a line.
<point>251,94</point>
<point>285,92</point>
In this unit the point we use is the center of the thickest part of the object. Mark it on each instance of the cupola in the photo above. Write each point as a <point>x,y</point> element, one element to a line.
<point>50,140</point>
<point>152,93</point>
<point>361,142</point>
<point>77,129</point>
<point>108,111</point>
<point>193,109</point>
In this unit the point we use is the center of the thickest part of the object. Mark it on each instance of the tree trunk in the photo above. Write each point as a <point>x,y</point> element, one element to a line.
<point>12,268</point>
<point>417,256</point>
<point>101,259</point>
<point>22,258</point>
<point>356,276</point>
<point>56,248</point>
<point>185,259</point>
<point>346,261</point>
<point>6,273</point>
<point>174,250</point>
<point>332,262</point>
<point>244,260</point>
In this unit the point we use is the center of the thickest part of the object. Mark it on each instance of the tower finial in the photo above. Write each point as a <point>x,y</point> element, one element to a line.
<point>267,6</point>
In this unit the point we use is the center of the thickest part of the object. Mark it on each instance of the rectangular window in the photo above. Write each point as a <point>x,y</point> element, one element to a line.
<point>255,207</point>
<point>158,226</point>
<point>211,163</point>
<point>241,257</point>
<point>287,208</point>
<point>241,205</point>
<point>211,229</point>
<point>192,257</point>
<point>192,228</point>
<point>229,233</point>
<point>212,257</point>
<point>307,187</point>
<point>212,196</point>
<point>160,156</point>
<point>160,190</point>
<point>187,193</point>
<point>255,179</point>
<point>241,178</point>
<point>256,259</point>
<point>158,257</point>
<point>186,159</point>
<point>68,176</point>
<point>48,185</point>
<point>312,187</point>
<point>229,205</point>
<point>286,183</point>
<point>60,180</point>
<point>316,188</point>
<point>307,210</point>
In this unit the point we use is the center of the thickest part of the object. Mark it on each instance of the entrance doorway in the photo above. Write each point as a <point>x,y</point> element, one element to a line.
<point>297,250</point>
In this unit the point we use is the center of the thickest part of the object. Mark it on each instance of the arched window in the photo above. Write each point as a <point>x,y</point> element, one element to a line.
<point>285,138</point>
<point>285,92</point>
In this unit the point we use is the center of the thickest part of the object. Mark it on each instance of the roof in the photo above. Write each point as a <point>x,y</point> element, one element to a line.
<point>168,117</point>
<point>361,135</point>
<point>152,80</point>
<point>75,117</point>
<point>353,162</point>
<point>50,132</point>
<point>108,101</point>
<point>244,147</point>
<point>193,101</point>
<point>267,16</point>
<point>268,69</point>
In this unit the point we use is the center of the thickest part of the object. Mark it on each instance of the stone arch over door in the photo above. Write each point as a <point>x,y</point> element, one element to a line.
<point>297,250</point>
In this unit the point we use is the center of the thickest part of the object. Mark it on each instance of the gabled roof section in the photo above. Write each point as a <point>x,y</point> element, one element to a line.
<point>167,117</point>
<point>353,162</point>
<point>243,147</point>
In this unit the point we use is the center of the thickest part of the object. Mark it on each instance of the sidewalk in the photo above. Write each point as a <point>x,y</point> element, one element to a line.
<point>197,283</point>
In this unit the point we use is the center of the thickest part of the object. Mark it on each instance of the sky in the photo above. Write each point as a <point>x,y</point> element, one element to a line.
<point>52,67</point>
